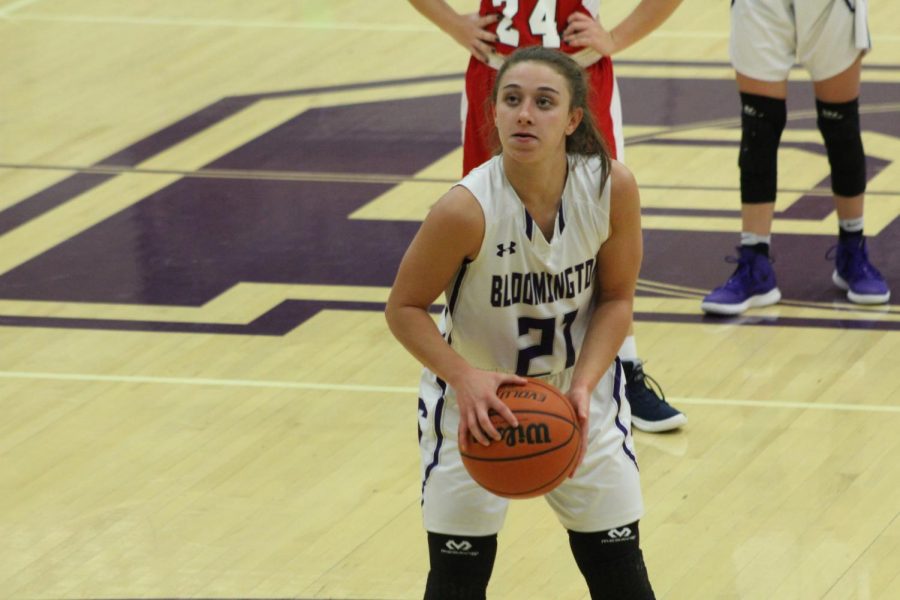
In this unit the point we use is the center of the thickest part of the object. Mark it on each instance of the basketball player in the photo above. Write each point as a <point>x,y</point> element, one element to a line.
<point>537,252</point>
<point>829,38</point>
<point>570,25</point>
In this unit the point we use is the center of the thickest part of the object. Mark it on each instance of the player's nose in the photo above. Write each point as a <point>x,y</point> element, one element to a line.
<point>525,112</point>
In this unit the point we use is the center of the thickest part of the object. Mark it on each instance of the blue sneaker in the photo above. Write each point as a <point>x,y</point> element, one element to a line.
<point>649,409</point>
<point>853,272</point>
<point>751,285</point>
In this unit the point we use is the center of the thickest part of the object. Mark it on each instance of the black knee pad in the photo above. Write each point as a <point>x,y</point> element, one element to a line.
<point>839,124</point>
<point>612,563</point>
<point>461,566</point>
<point>762,121</point>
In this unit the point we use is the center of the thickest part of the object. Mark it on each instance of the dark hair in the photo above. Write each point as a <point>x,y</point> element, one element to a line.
<point>586,140</point>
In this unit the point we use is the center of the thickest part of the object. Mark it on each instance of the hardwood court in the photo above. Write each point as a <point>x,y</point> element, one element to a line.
<point>201,208</point>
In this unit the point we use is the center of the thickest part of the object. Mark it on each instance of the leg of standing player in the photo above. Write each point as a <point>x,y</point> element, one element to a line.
<point>461,518</point>
<point>600,506</point>
<point>762,84</point>
<point>649,409</point>
<point>837,107</point>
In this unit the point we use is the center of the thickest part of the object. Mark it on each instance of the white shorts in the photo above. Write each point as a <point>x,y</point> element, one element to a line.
<point>769,36</point>
<point>605,493</point>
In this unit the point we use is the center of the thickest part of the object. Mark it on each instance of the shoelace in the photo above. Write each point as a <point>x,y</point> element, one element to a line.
<point>654,384</point>
<point>742,265</point>
<point>651,384</point>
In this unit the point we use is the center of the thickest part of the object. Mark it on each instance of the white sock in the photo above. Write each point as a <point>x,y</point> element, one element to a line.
<point>628,351</point>
<point>752,239</point>
<point>851,225</point>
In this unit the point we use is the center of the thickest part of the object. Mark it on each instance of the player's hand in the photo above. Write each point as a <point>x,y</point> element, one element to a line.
<point>476,396</point>
<point>584,31</point>
<point>581,400</point>
<point>471,33</point>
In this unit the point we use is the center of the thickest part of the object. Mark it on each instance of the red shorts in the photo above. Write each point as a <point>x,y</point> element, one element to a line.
<point>479,135</point>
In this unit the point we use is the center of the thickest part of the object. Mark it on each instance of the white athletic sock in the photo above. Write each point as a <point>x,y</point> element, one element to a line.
<point>628,351</point>
<point>851,225</point>
<point>752,239</point>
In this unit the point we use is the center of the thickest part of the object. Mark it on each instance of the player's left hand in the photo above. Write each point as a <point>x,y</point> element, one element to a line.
<point>583,31</point>
<point>581,401</point>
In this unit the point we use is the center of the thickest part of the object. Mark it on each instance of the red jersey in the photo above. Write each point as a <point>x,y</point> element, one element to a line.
<point>526,23</point>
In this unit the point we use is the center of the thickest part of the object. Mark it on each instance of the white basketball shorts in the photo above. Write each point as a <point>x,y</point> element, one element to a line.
<point>769,36</point>
<point>605,492</point>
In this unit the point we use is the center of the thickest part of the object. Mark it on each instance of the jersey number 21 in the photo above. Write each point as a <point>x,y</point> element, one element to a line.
<point>544,347</point>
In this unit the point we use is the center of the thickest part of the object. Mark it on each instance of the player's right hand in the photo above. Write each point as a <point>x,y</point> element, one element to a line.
<point>472,34</point>
<point>476,397</point>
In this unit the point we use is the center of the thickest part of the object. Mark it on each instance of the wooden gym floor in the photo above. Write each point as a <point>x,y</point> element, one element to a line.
<point>201,208</point>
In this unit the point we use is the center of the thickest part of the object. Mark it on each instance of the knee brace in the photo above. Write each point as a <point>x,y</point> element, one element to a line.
<point>612,563</point>
<point>762,121</point>
<point>839,124</point>
<point>461,566</point>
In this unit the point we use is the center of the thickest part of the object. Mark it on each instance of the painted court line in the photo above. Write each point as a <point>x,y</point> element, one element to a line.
<point>258,24</point>
<point>200,381</point>
<point>386,178</point>
<point>786,404</point>
<point>387,389</point>
<point>323,25</point>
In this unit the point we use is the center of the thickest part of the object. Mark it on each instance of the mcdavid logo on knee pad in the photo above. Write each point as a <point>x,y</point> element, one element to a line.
<point>462,547</point>
<point>622,534</point>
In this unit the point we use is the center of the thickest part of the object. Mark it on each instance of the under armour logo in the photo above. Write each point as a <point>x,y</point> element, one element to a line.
<point>619,533</point>
<point>501,250</point>
<point>462,546</point>
<point>749,110</point>
<point>832,114</point>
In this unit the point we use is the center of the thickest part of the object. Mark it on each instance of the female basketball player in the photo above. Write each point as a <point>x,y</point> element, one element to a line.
<point>537,252</point>
<point>572,26</point>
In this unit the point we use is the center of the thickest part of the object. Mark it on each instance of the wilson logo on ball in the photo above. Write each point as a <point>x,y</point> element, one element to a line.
<point>534,433</point>
<point>522,394</point>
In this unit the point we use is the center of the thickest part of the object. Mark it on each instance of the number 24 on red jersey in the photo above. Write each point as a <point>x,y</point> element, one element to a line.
<point>534,22</point>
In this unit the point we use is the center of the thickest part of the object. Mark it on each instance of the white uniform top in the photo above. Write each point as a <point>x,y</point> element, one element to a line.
<point>522,305</point>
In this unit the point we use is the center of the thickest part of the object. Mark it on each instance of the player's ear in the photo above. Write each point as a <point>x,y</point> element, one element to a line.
<point>575,117</point>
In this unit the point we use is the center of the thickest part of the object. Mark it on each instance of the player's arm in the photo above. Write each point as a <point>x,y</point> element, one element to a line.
<point>468,30</point>
<point>451,233</point>
<point>618,265</point>
<point>648,15</point>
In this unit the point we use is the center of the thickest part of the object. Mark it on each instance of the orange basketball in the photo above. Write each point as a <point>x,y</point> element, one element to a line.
<point>535,457</point>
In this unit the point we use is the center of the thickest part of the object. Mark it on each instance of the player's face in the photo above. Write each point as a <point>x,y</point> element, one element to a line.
<point>532,112</point>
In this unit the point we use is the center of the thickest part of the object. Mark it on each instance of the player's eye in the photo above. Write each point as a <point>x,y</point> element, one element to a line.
<point>511,98</point>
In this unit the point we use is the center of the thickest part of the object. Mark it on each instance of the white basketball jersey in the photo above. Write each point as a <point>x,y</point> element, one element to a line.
<point>523,304</point>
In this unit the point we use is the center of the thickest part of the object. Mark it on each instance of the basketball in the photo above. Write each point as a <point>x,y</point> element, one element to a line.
<point>535,457</point>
